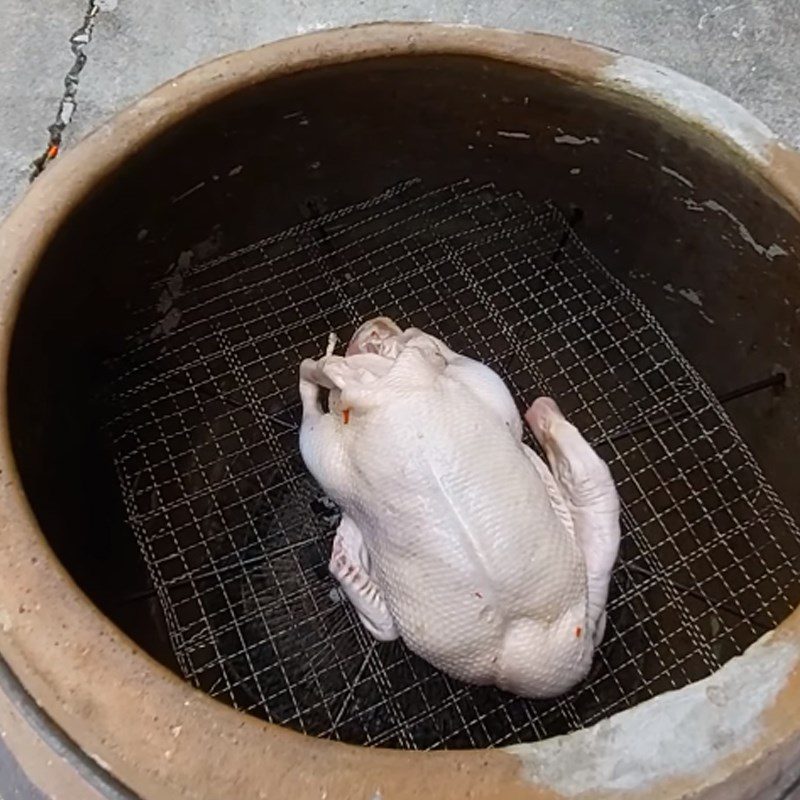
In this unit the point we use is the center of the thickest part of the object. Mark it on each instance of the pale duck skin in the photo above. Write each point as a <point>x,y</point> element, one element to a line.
<point>455,535</point>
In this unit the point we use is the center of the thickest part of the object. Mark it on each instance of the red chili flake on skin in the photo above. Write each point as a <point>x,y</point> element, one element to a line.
<point>578,632</point>
<point>346,415</point>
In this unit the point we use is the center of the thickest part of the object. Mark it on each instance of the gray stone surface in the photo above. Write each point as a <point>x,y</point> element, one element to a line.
<point>34,57</point>
<point>14,784</point>
<point>748,50</point>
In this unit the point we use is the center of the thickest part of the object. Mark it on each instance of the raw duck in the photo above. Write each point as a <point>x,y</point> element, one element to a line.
<point>454,534</point>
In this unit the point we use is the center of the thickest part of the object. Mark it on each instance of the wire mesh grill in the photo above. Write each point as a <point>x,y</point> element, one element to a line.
<point>203,417</point>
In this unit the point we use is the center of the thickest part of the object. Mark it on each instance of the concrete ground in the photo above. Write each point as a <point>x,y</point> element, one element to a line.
<point>749,50</point>
<point>14,784</point>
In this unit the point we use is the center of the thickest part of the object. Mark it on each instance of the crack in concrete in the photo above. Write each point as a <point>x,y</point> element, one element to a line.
<point>79,40</point>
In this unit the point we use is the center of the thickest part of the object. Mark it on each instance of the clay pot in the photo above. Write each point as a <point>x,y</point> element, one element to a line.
<point>676,184</point>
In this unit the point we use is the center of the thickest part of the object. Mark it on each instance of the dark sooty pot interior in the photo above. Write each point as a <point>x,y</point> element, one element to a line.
<point>300,146</point>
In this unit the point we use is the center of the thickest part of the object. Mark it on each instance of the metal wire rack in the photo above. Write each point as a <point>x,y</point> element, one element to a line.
<point>202,417</point>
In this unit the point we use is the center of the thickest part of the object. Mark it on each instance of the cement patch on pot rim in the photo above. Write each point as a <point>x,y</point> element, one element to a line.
<point>680,732</point>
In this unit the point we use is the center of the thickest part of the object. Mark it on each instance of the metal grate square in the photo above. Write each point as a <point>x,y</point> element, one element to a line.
<point>203,414</point>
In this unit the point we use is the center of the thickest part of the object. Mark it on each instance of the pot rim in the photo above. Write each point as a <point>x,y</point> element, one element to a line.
<point>164,739</point>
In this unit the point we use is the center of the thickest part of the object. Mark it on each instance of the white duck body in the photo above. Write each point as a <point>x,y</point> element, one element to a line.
<point>455,535</point>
